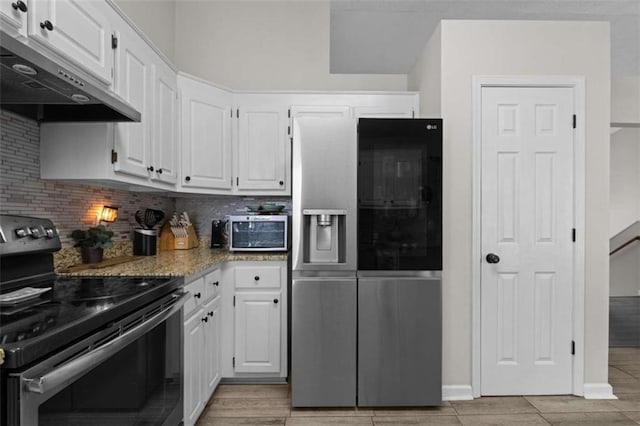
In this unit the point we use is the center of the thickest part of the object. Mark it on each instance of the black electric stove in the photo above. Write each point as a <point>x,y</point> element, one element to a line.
<point>84,350</point>
<point>73,307</point>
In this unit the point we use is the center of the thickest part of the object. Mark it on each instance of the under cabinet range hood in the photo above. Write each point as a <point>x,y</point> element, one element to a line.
<point>37,87</point>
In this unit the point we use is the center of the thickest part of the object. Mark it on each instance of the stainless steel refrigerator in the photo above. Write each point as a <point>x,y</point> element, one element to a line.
<point>367,260</point>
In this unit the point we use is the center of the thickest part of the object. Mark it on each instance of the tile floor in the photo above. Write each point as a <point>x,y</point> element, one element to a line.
<point>270,405</point>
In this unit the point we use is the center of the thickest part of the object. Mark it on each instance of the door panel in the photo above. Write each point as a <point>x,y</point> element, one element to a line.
<point>258,317</point>
<point>399,342</point>
<point>262,140</point>
<point>323,342</point>
<point>80,31</point>
<point>527,218</point>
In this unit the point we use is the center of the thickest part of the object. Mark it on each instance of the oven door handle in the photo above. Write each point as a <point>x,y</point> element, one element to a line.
<point>71,370</point>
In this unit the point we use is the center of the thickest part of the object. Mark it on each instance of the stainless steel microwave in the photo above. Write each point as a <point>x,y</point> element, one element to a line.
<point>258,233</point>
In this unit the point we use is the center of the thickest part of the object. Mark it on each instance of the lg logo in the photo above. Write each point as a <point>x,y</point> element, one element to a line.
<point>432,127</point>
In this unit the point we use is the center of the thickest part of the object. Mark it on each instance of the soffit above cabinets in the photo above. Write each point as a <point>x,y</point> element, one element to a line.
<point>387,36</point>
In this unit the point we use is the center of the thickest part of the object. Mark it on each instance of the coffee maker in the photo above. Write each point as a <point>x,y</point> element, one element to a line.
<point>217,233</point>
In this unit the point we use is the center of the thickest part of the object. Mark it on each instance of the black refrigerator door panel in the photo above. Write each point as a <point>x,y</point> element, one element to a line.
<point>400,194</point>
<point>323,342</point>
<point>399,342</point>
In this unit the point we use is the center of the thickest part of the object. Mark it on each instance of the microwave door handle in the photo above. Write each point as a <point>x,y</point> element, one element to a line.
<point>71,370</point>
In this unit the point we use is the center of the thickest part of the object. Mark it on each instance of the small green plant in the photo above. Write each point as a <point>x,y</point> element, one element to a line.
<point>95,237</point>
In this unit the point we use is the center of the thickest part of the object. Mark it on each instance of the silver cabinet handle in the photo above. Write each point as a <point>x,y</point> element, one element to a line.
<point>77,367</point>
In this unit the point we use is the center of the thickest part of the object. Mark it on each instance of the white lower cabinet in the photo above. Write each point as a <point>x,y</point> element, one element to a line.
<point>257,332</point>
<point>255,347</point>
<point>193,365</point>
<point>202,343</point>
<point>212,340</point>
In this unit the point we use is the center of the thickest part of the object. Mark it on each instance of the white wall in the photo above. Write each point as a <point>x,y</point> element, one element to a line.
<point>156,19</point>
<point>624,270</point>
<point>625,179</point>
<point>264,45</point>
<point>425,77</point>
<point>625,99</point>
<point>519,48</point>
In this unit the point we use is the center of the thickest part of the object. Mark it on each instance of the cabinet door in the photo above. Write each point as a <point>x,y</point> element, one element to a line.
<point>382,112</point>
<point>78,30</point>
<point>133,83</point>
<point>318,111</point>
<point>257,332</point>
<point>262,149</point>
<point>164,146</point>
<point>13,17</point>
<point>193,367</point>
<point>212,340</point>
<point>206,135</point>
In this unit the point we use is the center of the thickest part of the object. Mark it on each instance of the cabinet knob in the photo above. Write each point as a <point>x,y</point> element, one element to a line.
<point>205,319</point>
<point>257,278</point>
<point>216,283</point>
<point>160,171</point>
<point>19,5</point>
<point>46,25</point>
<point>197,295</point>
<point>493,258</point>
<point>210,313</point>
<point>188,178</point>
<point>275,301</point>
<point>150,168</point>
<point>281,183</point>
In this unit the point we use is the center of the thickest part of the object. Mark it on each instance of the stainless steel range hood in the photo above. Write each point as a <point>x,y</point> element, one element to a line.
<point>35,86</point>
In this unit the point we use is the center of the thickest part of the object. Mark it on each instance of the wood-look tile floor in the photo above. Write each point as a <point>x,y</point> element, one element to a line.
<point>270,405</point>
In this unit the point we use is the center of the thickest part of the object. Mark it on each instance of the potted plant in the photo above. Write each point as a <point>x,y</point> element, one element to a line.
<point>92,242</point>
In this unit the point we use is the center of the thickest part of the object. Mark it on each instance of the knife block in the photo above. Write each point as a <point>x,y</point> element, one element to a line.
<point>167,239</point>
<point>170,241</point>
<point>188,242</point>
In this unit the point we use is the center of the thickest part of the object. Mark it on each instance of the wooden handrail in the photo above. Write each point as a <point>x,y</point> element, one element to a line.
<point>636,238</point>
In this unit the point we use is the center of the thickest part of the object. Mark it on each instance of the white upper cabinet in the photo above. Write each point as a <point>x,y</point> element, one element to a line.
<point>165,131</point>
<point>77,30</point>
<point>124,154</point>
<point>384,111</point>
<point>13,17</point>
<point>205,136</point>
<point>262,146</point>
<point>134,83</point>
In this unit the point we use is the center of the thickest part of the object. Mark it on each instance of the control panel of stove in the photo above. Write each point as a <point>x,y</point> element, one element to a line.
<point>23,234</point>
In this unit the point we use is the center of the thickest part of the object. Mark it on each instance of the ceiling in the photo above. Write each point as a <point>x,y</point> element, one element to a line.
<point>386,36</point>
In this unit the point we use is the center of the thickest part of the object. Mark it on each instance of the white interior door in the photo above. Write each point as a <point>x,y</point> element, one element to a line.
<point>526,222</point>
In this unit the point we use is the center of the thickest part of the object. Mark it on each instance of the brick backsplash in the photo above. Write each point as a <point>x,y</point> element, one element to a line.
<point>72,206</point>
<point>69,205</point>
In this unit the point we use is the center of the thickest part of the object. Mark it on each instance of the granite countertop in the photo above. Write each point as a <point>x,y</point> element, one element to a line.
<point>177,262</point>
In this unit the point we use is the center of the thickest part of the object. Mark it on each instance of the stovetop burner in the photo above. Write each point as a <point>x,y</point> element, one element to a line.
<point>74,307</point>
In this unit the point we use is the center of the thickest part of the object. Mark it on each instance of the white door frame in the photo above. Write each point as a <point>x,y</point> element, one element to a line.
<point>577,83</point>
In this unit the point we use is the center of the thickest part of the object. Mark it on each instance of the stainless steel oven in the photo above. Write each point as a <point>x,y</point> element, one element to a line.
<point>84,350</point>
<point>129,373</point>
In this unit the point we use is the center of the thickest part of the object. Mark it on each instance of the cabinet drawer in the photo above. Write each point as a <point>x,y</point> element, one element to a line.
<point>258,276</point>
<point>196,290</point>
<point>212,283</point>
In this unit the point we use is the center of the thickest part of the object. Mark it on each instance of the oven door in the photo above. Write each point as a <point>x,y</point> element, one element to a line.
<point>127,374</point>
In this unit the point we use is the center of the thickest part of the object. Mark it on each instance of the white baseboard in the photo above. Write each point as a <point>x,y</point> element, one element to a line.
<point>457,393</point>
<point>598,391</point>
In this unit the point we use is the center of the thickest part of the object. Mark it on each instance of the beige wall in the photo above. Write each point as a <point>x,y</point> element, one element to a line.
<point>520,48</point>
<point>264,45</point>
<point>625,99</point>
<point>425,76</point>
<point>156,19</point>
